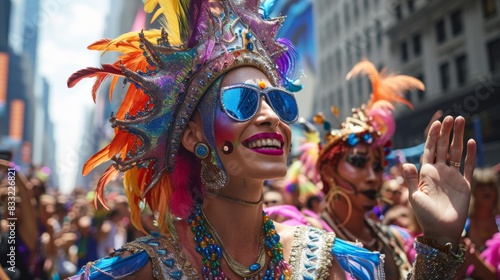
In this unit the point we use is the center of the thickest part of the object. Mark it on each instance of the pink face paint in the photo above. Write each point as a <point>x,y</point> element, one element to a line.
<point>225,129</point>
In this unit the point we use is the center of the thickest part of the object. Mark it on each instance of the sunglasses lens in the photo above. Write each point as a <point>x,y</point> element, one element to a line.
<point>240,103</point>
<point>285,105</point>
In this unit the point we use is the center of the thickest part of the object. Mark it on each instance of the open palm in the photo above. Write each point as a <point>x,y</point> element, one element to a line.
<point>440,194</point>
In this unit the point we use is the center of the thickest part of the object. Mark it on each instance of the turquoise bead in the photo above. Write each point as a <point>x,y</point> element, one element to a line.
<point>254,267</point>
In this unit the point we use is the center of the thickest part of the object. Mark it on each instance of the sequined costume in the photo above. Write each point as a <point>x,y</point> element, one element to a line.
<point>311,257</point>
<point>170,74</point>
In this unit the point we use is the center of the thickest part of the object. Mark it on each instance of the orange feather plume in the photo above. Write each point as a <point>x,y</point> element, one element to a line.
<point>386,87</point>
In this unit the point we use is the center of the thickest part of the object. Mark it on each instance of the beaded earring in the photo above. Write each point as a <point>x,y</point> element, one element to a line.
<point>212,176</point>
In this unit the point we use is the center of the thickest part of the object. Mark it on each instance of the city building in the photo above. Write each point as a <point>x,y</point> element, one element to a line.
<point>453,47</point>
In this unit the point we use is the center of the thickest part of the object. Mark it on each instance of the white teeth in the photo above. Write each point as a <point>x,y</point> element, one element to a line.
<point>270,143</point>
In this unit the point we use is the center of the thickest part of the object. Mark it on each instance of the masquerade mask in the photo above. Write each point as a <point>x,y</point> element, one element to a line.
<point>242,101</point>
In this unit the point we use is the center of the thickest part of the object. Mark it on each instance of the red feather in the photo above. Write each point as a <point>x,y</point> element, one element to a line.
<point>100,73</point>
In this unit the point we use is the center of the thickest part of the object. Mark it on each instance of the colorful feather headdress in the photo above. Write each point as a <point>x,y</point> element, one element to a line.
<point>169,70</point>
<point>373,123</point>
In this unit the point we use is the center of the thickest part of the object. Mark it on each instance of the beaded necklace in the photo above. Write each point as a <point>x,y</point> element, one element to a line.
<point>211,252</point>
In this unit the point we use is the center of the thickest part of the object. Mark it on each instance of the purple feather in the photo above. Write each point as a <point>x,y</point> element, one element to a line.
<point>289,62</point>
<point>198,19</point>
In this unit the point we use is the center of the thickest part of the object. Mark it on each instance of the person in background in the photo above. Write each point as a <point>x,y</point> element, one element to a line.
<point>481,233</point>
<point>389,196</point>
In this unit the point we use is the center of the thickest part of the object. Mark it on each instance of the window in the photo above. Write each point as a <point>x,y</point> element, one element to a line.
<point>461,63</point>
<point>356,8</point>
<point>494,55</point>
<point>368,39</point>
<point>366,6</point>
<point>397,10</point>
<point>369,86</point>
<point>379,33</point>
<point>417,48</point>
<point>411,6</point>
<point>339,60</point>
<point>360,90</point>
<point>350,95</point>
<point>440,31</point>
<point>331,72</point>
<point>408,95</point>
<point>421,93</point>
<point>489,8</point>
<point>404,51</point>
<point>346,15</point>
<point>323,70</point>
<point>456,23</point>
<point>341,100</point>
<point>444,71</point>
<point>348,58</point>
<point>337,24</point>
<point>358,47</point>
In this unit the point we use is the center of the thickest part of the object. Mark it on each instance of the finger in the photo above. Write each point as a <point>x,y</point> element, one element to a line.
<point>430,144</point>
<point>437,115</point>
<point>457,144</point>
<point>444,139</point>
<point>470,160</point>
<point>410,174</point>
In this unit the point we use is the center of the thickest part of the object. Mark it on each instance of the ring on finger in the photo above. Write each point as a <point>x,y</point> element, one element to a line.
<point>455,164</point>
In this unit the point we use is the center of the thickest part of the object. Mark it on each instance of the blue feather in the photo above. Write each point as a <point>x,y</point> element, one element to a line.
<point>266,8</point>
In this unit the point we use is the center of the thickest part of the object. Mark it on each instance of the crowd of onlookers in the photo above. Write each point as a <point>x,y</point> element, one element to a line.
<point>56,234</point>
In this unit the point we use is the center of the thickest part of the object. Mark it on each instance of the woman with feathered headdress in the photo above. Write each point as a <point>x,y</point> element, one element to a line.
<point>205,121</point>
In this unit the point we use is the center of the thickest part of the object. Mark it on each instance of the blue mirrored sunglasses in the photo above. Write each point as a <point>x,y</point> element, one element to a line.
<point>241,102</point>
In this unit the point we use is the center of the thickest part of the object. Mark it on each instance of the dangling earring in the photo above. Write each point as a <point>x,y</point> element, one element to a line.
<point>227,148</point>
<point>335,193</point>
<point>201,150</point>
<point>212,175</point>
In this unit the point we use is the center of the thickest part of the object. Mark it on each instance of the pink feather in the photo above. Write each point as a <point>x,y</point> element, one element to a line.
<point>182,177</point>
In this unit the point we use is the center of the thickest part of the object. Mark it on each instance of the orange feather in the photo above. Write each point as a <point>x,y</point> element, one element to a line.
<point>386,87</point>
<point>108,175</point>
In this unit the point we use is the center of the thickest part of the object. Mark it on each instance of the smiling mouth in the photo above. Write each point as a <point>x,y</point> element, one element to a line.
<point>265,143</point>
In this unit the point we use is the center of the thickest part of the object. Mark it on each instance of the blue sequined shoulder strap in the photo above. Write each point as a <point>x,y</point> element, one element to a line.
<point>313,251</point>
<point>164,253</point>
<point>166,257</point>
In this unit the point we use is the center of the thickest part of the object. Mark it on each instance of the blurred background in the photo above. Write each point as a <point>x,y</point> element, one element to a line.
<point>49,130</point>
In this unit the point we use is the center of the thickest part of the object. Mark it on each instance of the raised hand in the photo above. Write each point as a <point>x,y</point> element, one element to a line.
<point>440,195</point>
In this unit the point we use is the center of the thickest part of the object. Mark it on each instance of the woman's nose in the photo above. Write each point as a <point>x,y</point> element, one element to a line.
<point>266,114</point>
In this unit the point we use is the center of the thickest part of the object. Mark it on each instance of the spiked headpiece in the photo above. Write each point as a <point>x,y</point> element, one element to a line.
<point>170,70</point>
<point>373,123</point>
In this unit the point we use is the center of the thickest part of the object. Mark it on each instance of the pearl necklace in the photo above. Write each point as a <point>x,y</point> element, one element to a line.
<point>211,252</point>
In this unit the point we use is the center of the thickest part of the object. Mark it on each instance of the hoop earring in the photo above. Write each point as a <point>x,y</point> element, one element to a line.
<point>201,150</point>
<point>213,177</point>
<point>227,148</point>
<point>335,191</point>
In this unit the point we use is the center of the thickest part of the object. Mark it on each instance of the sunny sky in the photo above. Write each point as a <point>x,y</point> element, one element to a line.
<point>68,27</point>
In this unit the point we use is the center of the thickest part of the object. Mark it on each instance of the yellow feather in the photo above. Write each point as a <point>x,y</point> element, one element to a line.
<point>172,12</point>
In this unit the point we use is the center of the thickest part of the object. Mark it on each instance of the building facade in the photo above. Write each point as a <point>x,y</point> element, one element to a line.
<point>453,47</point>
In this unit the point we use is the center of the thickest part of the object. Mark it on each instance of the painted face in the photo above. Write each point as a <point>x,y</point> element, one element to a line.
<point>359,172</point>
<point>256,148</point>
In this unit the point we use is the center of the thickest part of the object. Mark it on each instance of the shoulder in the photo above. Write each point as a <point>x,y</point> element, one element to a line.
<point>150,257</point>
